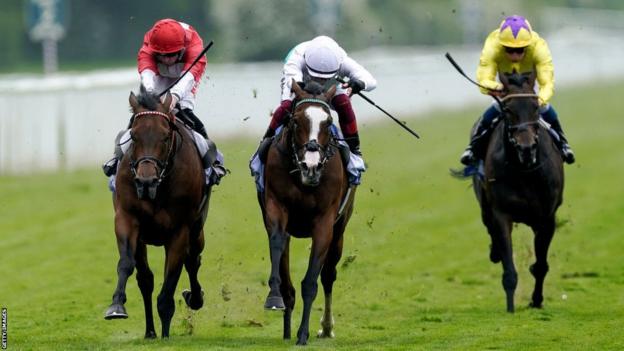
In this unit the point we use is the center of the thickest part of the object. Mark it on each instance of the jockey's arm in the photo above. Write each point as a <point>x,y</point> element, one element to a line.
<point>545,72</point>
<point>294,65</point>
<point>354,70</point>
<point>488,68</point>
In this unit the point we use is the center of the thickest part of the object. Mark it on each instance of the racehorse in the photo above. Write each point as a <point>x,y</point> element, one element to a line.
<point>160,199</point>
<point>306,195</point>
<point>522,182</point>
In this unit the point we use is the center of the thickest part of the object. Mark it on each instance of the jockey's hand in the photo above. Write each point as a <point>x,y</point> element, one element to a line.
<point>355,85</point>
<point>497,93</point>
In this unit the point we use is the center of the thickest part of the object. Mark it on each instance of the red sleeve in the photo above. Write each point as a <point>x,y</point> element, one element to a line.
<point>145,58</point>
<point>193,49</point>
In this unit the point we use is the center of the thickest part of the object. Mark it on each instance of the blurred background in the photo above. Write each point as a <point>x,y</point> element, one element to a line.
<point>64,111</point>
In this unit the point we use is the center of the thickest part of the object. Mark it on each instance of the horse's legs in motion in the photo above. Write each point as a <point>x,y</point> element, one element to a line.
<point>287,289</point>
<point>278,239</point>
<point>321,239</point>
<point>175,255</point>
<point>145,279</point>
<point>328,276</point>
<point>126,234</point>
<point>195,297</point>
<point>544,232</point>
<point>510,276</point>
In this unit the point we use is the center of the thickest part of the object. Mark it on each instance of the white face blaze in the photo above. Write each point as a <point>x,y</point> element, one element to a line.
<point>316,115</point>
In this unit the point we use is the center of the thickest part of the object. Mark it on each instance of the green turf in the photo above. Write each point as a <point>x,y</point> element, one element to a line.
<point>418,275</point>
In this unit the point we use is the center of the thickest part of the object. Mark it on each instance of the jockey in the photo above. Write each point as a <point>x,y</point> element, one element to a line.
<point>515,46</point>
<point>322,60</point>
<point>169,49</point>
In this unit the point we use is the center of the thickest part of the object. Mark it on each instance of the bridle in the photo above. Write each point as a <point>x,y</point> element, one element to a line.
<point>523,126</point>
<point>519,126</point>
<point>158,163</point>
<point>327,151</point>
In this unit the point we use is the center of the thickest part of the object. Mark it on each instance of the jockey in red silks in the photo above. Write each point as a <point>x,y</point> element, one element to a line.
<point>322,60</point>
<point>169,48</point>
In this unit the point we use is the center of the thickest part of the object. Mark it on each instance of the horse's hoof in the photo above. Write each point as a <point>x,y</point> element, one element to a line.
<point>150,335</point>
<point>322,333</point>
<point>116,311</point>
<point>274,303</point>
<point>194,304</point>
<point>534,304</point>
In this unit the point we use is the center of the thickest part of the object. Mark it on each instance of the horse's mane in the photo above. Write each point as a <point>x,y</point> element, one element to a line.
<point>314,88</point>
<point>148,99</point>
<point>517,79</point>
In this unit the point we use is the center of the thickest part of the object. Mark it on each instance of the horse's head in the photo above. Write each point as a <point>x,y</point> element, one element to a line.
<point>153,141</point>
<point>521,113</point>
<point>310,127</point>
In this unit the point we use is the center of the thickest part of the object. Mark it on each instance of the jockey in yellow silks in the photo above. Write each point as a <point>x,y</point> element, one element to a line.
<point>514,46</point>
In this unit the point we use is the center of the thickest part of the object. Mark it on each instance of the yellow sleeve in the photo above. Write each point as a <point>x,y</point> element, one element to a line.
<point>488,67</point>
<point>545,71</point>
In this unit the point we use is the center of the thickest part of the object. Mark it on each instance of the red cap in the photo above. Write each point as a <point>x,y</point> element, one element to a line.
<point>167,37</point>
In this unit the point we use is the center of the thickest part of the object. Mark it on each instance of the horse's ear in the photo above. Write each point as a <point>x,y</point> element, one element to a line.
<point>532,78</point>
<point>134,102</point>
<point>295,88</point>
<point>167,101</point>
<point>504,78</point>
<point>330,92</point>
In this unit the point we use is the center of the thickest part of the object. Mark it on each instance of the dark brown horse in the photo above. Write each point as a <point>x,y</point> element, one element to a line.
<point>160,199</point>
<point>523,183</point>
<point>306,195</point>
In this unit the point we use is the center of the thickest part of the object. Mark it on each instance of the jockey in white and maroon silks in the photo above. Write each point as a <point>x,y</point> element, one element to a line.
<point>169,48</point>
<point>322,59</point>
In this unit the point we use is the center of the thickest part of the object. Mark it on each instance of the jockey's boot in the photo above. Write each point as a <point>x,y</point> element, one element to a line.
<point>353,141</point>
<point>110,166</point>
<point>566,151</point>
<point>468,157</point>
<point>266,141</point>
<point>210,160</point>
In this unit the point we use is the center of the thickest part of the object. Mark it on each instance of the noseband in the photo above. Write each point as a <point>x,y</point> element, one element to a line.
<point>158,163</point>
<point>327,151</point>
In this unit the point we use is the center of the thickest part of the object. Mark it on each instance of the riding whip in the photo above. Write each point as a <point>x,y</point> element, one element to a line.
<point>341,80</point>
<point>461,71</point>
<point>188,69</point>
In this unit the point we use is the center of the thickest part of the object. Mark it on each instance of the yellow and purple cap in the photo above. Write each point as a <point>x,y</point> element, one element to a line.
<point>515,32</point>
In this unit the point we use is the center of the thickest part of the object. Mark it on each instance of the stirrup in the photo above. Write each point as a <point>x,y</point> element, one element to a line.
<point>110,167</point>
<point>568,154</point>
<point>467,158</point>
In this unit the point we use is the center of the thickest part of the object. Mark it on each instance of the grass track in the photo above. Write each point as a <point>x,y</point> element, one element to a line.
<point>420,277</point>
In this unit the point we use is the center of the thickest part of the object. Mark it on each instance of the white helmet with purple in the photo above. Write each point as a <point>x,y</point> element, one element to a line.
<point>323,57</point>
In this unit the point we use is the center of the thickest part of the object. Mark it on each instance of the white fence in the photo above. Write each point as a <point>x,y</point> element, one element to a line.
<point>69,121</point>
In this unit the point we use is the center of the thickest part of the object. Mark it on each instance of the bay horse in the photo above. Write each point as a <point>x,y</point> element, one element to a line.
<point>522,182</point>
<point>307,195</point>
<point>161,199</point>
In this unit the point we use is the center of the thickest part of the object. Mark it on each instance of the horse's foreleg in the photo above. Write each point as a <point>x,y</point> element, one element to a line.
<point>286,288</point>
<point>126,232</point>
<point>278,238</point>
<point>321,239</point>
<point>195,297</point>
<point>145,279</point>
<point>328,276</point>
<point>175,256</point>
<point>543,235</point>
<point>510,276</point>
